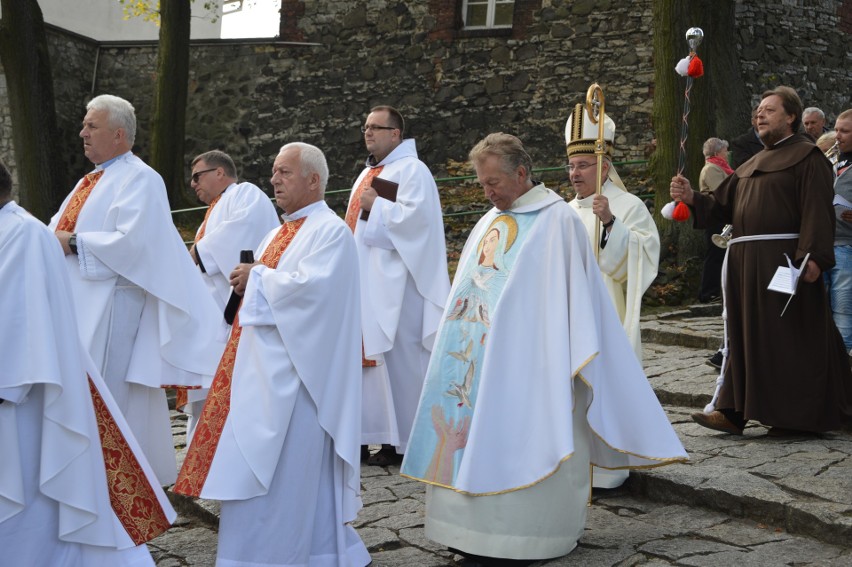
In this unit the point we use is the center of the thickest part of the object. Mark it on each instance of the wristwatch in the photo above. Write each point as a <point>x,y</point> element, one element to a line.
<point>610,223</point>
<point>72,243</point>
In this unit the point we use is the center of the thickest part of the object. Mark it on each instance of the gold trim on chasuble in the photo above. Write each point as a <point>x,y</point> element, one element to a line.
<point>68,221</point>
<point>199,456</point>
<point>130,494</point>
<point>351,220</point>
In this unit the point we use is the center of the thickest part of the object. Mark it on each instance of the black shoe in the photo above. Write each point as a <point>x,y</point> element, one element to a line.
<point>471,560</point>
<point>716,360</point>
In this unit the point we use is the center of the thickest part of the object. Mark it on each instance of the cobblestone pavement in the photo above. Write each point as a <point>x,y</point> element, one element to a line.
<point>748,500</point>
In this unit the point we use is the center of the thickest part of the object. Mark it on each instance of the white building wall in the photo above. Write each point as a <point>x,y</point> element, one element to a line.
<point>103,20</point>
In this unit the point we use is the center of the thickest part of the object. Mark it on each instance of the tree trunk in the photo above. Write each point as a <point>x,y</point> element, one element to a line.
<point>168,126</point>
<point>718,104</point>
<point>29,83</point>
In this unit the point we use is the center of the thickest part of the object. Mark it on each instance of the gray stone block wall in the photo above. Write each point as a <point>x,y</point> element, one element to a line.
<point>248,98</point>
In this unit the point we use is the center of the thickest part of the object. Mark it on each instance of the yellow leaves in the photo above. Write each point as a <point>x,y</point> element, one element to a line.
<point>148,10</point>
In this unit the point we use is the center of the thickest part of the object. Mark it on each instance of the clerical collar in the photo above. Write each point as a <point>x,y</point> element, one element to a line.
<point>304,211</point>
<point>109,162</point>
<point>4,204</point>
<point>537,193</point>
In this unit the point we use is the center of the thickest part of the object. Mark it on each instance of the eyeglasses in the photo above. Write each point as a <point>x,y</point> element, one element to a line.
<point>374,127</point>
<point>580,166</point>
<point>198,174</point>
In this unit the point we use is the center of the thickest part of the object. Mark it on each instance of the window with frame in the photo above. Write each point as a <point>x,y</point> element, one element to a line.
<point>487,14</point>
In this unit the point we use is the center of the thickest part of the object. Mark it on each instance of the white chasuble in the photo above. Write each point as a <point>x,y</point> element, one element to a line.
<point>61,502</point>
<point>452,383</point>
<point>508,423</point>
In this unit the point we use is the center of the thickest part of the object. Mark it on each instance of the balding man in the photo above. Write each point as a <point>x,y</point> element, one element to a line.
<point>277,440</point>
<point>786,365</point>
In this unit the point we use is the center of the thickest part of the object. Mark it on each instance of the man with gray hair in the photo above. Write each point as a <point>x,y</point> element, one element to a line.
<point>532,378</point>
<point>813,119</point>
<point>238,217</point>
<point>779,203</point>
<point>142,309</point>
<point>278,439</point>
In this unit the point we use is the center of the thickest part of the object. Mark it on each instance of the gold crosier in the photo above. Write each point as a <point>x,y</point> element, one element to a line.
<point>595,110</point>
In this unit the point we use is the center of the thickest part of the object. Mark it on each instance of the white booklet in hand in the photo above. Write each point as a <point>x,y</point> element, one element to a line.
<point>786,279</point>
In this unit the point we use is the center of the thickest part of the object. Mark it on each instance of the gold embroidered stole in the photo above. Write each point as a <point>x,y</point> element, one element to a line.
<point>203,228</point>
<point>68,220</point>
<point>130,493</point>
<point>199,456</point>
<point>351,220</point>
<point>355,204</point>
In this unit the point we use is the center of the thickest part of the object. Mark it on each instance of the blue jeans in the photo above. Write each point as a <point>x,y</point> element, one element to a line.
<point>839,282</point>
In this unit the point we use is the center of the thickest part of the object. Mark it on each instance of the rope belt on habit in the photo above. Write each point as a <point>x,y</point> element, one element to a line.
<point>738,240</point>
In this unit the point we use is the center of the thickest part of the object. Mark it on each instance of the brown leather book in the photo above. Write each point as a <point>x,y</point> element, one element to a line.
<point>386,190</point>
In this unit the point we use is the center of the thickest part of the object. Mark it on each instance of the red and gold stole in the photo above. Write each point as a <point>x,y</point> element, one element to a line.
<point>199,456</point>
<point>203,228</point>
<point>130,493</point>
<point>351,220</point>
<point>68,220</point>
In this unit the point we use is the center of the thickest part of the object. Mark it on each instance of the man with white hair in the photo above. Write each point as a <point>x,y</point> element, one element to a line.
<point>142,309</point>
<point>813,119</point>
<point>627,239</point>
<point>278,439</point>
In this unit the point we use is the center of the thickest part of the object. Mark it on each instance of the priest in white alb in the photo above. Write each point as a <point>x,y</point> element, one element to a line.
<point>404,279</point>
<point>238,217</point>
<point>278,439</point>
<point>627,238</point>
<point>532,378</point>
<point>61,502</point>
<point>143,312</point>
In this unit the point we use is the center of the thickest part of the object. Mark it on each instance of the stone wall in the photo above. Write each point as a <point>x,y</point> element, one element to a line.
<point>453,87</point>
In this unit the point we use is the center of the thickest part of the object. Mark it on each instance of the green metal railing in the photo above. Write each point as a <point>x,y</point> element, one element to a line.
<point>446,180</point>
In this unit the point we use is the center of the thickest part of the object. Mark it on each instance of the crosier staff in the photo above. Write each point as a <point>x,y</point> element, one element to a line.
<point>595,108</point>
